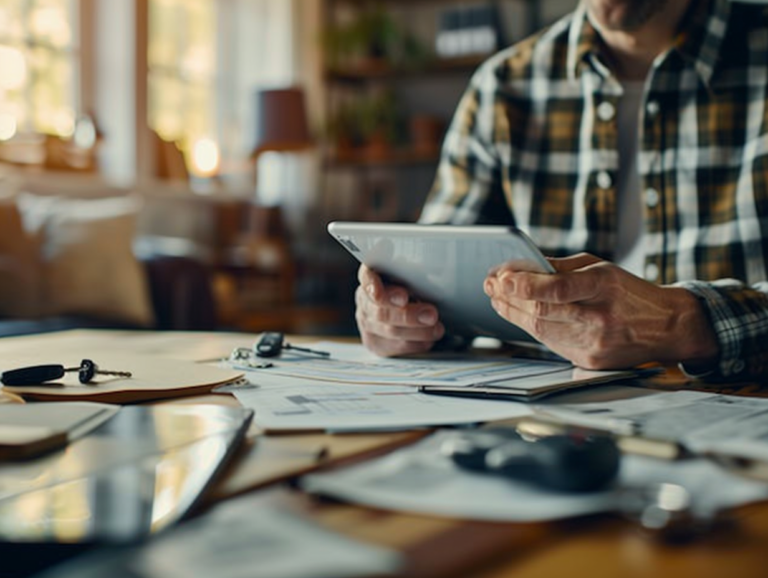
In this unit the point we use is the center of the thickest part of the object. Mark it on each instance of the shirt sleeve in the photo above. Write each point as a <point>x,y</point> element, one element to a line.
<point>468,187</point>
<point>739,317</point>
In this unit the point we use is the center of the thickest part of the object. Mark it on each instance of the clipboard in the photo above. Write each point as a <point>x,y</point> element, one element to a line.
<point>535,387</point>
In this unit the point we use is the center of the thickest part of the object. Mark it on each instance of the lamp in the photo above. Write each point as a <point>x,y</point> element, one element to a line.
<point>281,122</point>
<point>262,260</point>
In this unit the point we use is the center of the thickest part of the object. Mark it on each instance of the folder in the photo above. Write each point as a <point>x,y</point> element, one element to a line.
<point>152,378</point>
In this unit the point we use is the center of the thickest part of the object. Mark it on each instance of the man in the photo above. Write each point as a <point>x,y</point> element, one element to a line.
<point>631,131</point>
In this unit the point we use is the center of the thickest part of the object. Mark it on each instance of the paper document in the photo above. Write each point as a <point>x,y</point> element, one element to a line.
<point>291,403</point>
<point>354,364</point>
<point>244,537</point>
<point>701,422</point>
<point>421,479</point>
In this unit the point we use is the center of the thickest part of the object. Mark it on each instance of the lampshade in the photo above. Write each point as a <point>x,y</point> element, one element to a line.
<point>281,121</point>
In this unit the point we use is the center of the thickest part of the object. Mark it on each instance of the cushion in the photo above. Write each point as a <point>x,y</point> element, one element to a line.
<point>20,265</point>
<point>87,263</point>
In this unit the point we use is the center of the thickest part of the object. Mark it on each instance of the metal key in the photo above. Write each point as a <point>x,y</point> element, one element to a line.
<point>39,374</point>
<point>88,370</point>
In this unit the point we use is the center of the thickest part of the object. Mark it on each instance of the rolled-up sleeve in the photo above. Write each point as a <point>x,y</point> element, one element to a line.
<point>739,317</point>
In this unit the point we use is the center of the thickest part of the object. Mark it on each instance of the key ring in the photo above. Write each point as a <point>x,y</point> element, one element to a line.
<point>245,357</point>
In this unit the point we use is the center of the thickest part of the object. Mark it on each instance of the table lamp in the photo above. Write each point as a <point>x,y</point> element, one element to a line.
<point>264,249</point>
<point>281,122</point>
<point>281,125</point>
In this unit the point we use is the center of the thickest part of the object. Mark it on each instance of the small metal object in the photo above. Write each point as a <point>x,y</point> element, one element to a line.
<point>39,374</point>
<point>88,370</point>
<point>244,357</point>
<point>669,512</point>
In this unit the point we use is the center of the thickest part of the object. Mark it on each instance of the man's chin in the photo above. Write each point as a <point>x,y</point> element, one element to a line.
<point>624,15</point>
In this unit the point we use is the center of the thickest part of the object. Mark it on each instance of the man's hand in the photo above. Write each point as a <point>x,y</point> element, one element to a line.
<point>601,317</point>
<point>389,323</point>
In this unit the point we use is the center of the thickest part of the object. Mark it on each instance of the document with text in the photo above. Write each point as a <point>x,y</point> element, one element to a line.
<point>287,403</point>
<point>470,375</point>
<point>699,421</point>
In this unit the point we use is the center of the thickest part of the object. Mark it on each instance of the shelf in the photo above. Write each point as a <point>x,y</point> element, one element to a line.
<point>382,71</point>
<point>397,158</point>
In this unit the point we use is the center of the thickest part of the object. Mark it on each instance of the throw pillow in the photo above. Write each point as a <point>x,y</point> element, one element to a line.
<point>20,266</point>
<point>88,265</point>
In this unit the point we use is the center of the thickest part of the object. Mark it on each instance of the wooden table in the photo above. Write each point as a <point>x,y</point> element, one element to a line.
<point>596,546</point>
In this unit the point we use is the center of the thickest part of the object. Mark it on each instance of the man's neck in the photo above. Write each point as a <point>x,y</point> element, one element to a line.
<point>634,51</point>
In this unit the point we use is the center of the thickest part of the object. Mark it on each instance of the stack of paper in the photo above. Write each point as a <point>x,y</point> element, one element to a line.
<point>703,423</point>
<point>299,404</point>
<point>354,390</point>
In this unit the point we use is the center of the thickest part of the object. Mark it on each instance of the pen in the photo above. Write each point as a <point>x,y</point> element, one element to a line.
<point>617,425</point>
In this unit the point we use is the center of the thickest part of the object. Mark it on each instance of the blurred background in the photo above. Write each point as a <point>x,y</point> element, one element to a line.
<point>174,163</point>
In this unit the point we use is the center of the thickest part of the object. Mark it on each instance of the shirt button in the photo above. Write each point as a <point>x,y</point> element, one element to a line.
<point>651,272</point>
<point>652,108</point>
<point>604,180</point>
<point>651,197</point>
<point>606,111</point>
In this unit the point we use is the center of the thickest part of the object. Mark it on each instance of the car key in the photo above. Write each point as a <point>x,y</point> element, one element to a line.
<point>39,374</point>
<point>566,462</point>
<point>33,375</point>
<point>272,343</point>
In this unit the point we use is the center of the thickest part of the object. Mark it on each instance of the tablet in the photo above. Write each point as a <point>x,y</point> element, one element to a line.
<point>445,265</point>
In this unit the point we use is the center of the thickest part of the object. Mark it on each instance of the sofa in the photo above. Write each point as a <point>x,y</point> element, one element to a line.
<point>180,294</point>
<point>80,260</point>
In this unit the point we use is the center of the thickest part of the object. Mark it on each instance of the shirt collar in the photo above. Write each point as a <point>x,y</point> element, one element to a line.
<point>699,40</point>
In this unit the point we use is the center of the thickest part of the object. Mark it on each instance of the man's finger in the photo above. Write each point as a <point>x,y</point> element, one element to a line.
<point>371,283</point>
<point>571,287</point>
<point>572,262</point>
<point>375,288</point>
<point>549,331</point>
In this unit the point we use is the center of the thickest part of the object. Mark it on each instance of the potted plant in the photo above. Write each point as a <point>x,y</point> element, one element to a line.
<point>379,122</point>
<point>369,41</point>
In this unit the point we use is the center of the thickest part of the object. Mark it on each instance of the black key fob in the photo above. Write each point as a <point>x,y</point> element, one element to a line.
<point>270,344</point>
<point>34,375</point>
<point>468,449</point>
<point>570,463</point>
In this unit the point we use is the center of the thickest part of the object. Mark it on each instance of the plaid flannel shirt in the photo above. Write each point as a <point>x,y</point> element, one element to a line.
<point>534,143</point>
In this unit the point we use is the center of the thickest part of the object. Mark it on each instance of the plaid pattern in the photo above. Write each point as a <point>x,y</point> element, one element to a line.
<point>534,143</point>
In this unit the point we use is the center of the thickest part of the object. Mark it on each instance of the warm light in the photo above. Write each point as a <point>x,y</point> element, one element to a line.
<point>205,157</point>
<point>8,126</point>
<point>14,68</point>
<point>50,23</point>
<point>85,133</point>
<point>198,62</point>
<point>64,123</point>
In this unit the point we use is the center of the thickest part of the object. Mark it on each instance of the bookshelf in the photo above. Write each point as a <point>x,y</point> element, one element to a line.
<point>390,94</point>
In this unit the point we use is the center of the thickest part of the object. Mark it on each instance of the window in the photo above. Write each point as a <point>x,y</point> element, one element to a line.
<point>206,58</point>
<point>39,57</point>
<point>182,77</point>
